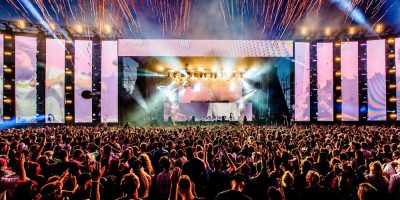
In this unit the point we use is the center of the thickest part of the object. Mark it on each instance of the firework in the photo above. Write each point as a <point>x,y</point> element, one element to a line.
<point>272,17</point>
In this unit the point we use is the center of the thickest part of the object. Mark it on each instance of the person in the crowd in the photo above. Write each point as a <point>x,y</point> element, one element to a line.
<point>130,185</point>
<point>377,179</point>
<point>235,193</point>
<point>367,192</point>
<point>314,190</point>
<point>287,184</point>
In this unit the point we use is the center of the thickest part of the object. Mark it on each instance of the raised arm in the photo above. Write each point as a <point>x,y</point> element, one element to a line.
<point>232,166</point>
<point>97,172</point>
<point>22,176</point>
<point>176,174</point>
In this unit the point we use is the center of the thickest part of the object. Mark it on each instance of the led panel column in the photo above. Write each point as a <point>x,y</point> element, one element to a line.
<point>325,81</point>
<point>349,71</point>
<point>397,57</point>
<point>376,80</point>
<point>55,81</point>
<point>109,81</point>
<point>1,76</point>
<point>83,80</point>
<point>302,81</point>
<point>25,79</point>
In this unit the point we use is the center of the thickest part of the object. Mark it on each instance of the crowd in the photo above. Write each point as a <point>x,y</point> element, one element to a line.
<point>225,162</point>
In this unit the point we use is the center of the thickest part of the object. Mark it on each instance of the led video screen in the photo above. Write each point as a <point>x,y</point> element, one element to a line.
<point>25,79</point>
<point>83,80</point>
<point>376,80</point>
<point>1,76</point>
<point>109,81</point>
<point>194,48</point>
<point>349,70</point>
<point>208,111</point>
<point>206,90</point>
<point>397,57</point>
<point>325,81</point>
<point>55,81</point>
<point>302,81</point>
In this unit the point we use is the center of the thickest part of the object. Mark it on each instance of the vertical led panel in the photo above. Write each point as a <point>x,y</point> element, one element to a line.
<point>83,80</point>
<point>302,81</point>
<point>349,70</point>
<point>397,57</point>
<point>325,81</point>
<point>25,79</point>
<point>376,80</point>
<point>55,81</point>
<point>1,76</point>
<point>109,81</point>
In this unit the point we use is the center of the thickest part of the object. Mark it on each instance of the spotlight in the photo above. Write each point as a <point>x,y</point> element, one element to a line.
<point>328,31</point>
<point>21,24</point>
<point>392,99</point>
<point>303,31</point>
<point>161,68</point>
<point>69,117</point>
<point>68,87</point>
<point>391,55</point>
<point>6,117</point>
<point>79,28</point>
<point>7,86</point>
<point>68,72</point>
<point>352,31</point>
<point>338,87</point>
<point>197,87</point>
<point>338,73</point>
<point>339,116</point>
<point>7,101</point>
<point>7,70</point>
<point>390,41</point>
<point>337,44</point>
<point>338,59</point>
<point>392,86</point>
<point>107,29</point>
<point>8,37</point>
<point>68,101</point>
<point>393,116</point>
<point>52,26</point>
<point>339,100</point>
<point>7,53</point>
<point>379,28</point>
<point>69,57</point>
<point>392,71</point>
